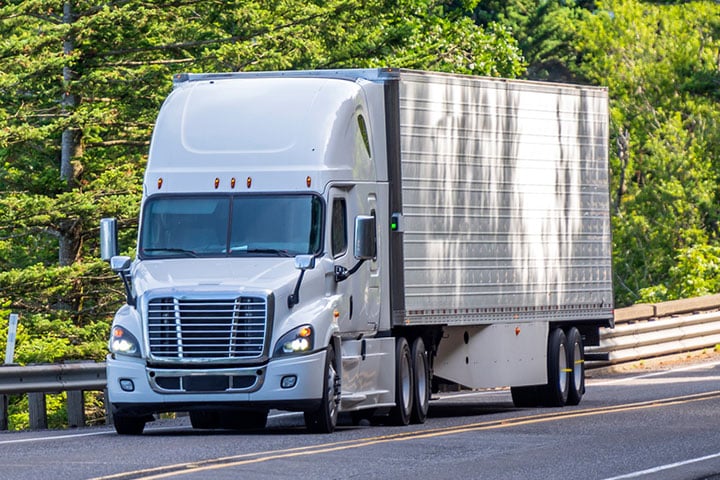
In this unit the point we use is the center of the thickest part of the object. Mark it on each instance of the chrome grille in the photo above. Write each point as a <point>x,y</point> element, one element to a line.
<point>207,328</point>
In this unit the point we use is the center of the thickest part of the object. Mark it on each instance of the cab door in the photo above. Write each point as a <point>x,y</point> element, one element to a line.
<point>361,290</point>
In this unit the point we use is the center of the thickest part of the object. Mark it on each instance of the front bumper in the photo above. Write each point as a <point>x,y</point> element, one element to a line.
<point>156,390</point>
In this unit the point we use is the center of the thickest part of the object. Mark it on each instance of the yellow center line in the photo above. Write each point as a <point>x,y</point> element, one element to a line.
<point>169,471</point>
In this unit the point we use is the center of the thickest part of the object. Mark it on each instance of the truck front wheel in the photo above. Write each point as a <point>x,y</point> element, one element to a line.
<point>324,419</point>
<point>129,425</point>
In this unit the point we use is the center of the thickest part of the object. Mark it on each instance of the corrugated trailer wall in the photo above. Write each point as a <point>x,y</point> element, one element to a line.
<point>505,201</point>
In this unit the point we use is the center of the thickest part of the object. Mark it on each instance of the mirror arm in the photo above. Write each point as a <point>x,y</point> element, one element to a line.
<point>342,273</point>
<point>294,298</point>
<point>130,298</point>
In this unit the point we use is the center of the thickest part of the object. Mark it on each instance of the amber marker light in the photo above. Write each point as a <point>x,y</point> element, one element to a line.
<point>249,182</point>
<point>305,332</point>
<point>217,182</point>
<point>232,182</point>
<point>517,331</point>
<point>160,182</point>
<point>308,181</point>
<point>336,314</point>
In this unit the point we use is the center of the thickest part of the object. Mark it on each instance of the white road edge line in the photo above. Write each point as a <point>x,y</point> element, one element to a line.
<point>56,437</point>
<point>699,366</point>
<point>661,468</point>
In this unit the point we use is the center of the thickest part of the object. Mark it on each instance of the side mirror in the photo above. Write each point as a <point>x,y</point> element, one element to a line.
<point>365,237</point>
<point>304,262</point>
<point>108,239</point>
<point>120,264</point>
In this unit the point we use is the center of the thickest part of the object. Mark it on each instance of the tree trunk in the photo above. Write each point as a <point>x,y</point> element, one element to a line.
<point>70,137</point>
<point>70,150</point>
<point>623,146</point>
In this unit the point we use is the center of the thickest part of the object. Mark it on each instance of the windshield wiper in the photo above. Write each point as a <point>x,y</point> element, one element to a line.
<point>171,250</point>
<point>271,251</point>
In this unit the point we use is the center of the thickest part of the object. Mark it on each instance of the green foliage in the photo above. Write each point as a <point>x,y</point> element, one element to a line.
<point>544,31</point>
<point>19,418</point>
<point>659,62</point>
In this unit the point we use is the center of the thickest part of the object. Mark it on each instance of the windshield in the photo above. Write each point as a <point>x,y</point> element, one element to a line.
<point>223,225</point>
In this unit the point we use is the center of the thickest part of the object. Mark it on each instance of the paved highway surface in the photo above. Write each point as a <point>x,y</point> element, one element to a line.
<point>661,421</point>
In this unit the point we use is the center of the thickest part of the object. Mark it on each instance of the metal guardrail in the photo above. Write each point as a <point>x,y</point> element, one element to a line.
<point>641,331</point>
<point>37,380</point>
<point>651,330</point>
<point>62,377</point>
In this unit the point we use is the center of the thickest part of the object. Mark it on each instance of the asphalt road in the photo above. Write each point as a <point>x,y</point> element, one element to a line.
<point>657,421</point>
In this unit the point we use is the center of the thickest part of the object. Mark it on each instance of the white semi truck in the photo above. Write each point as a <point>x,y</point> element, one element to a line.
<point>351,240</point>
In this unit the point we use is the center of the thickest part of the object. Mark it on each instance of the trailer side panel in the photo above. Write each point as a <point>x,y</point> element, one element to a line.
<point>505,202</point>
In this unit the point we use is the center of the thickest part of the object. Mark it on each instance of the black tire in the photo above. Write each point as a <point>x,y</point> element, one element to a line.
<point>576,362</point>
<point>422,384</point>
<point>205,419</point>
<point>556,390</point>
<point>525,397</point>
<point>404,384</point>
<point>129,425</point>
<point>324,418</point>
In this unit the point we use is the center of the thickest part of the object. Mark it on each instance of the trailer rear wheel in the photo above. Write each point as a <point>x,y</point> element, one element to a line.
<point>324,418</point>
<point>421,375</point>
<point>400,413</point>
<point>525,397</point>
<point>576,360</point>
<point>556,390</point>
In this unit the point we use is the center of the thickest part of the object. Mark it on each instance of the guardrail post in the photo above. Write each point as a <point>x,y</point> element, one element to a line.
<point>38,411</point>
<point>3,412</point>
<point>75,408</point>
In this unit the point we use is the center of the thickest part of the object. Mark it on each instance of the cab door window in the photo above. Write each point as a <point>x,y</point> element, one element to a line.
<point>338,234</point>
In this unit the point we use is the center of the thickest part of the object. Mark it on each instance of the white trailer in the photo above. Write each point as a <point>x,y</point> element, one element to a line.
<point>350,240</point>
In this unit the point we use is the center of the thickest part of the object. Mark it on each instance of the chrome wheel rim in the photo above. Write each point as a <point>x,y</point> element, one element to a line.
<point>562,369</point>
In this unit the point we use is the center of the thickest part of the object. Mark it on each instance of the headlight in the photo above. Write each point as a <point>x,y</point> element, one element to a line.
<point>123,342</point>
<point>299,340</point>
